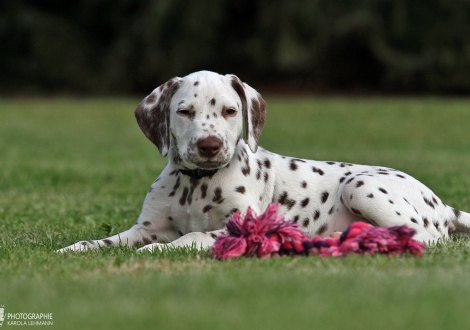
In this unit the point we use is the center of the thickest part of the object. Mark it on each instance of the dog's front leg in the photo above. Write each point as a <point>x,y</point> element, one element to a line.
<point>152,226</point>
<point>131,237</point>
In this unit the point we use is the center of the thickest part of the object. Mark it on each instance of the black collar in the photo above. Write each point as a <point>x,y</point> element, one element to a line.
<point>198,173</point>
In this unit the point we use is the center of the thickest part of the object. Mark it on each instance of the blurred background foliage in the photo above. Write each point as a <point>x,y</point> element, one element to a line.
<point>132,46</point>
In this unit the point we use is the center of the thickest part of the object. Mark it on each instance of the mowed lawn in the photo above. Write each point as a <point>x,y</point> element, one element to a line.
<point>73,169</point>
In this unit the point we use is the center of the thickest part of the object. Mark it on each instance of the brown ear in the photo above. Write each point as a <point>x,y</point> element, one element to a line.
<point>253,109</point>
<point>153,115</point>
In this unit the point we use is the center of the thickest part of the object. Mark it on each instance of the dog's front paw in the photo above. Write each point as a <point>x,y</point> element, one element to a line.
<point>152,247</point>
<point>78,247</point>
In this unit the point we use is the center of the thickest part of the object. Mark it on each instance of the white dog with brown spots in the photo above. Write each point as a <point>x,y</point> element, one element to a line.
<point>200,121</point>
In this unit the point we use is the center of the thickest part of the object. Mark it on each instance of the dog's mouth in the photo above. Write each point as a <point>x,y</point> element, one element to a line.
<point>192,160</point>
<point>210,165</point>
<point>196,162</point>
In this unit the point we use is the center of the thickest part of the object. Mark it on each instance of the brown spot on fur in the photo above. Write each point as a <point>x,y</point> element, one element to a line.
<point>284,200</point>
<point>240,189</point>
<point>322,229</point>
<point>203,190</point>
<point>427,201</point>
<point>175,187</point>
<point>359,183</point>
<point>317,170</point>
<point>212,102</point>
<point>194,183</point>
<point>246,170</point>
<point>426,222</point>
<point>324,197</point>
<point>293,165</point>
<point>217,195</point>
<point>267,163</point>
<point>305,202</point>
<point>184,195</point>
<point>316,215</point>
<point>207,208</point>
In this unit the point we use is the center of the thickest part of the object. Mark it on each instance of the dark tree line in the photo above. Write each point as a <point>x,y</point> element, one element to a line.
<point>130,46</point>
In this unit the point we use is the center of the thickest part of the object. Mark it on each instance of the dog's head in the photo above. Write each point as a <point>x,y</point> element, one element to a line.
<point>199,119</point>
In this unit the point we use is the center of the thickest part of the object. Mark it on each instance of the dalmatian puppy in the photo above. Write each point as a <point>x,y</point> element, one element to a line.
<point>208,125</point>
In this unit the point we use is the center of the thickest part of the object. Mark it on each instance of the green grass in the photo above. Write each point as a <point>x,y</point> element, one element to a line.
<point>73,169</point>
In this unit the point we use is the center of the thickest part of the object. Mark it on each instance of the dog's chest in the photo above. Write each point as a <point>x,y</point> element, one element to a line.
<point>204,204</point>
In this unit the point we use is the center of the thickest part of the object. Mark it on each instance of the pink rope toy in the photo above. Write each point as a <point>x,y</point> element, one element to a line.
<point>271,235</point>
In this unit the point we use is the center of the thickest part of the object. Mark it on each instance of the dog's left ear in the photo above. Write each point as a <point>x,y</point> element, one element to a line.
<point>253,109</point>
<point>153,114</point>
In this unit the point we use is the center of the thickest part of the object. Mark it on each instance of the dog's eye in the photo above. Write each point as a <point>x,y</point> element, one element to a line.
<point>229,112</point>
<point>183,112</point>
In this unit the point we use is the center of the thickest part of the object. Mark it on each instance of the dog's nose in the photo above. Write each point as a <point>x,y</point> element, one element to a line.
<point>209,146</point>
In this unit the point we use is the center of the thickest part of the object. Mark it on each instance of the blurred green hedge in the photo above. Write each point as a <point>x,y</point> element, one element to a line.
<point>131,46</point>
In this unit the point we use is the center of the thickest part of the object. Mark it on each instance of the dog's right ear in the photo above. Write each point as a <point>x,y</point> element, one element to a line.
<point>153,114</point>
